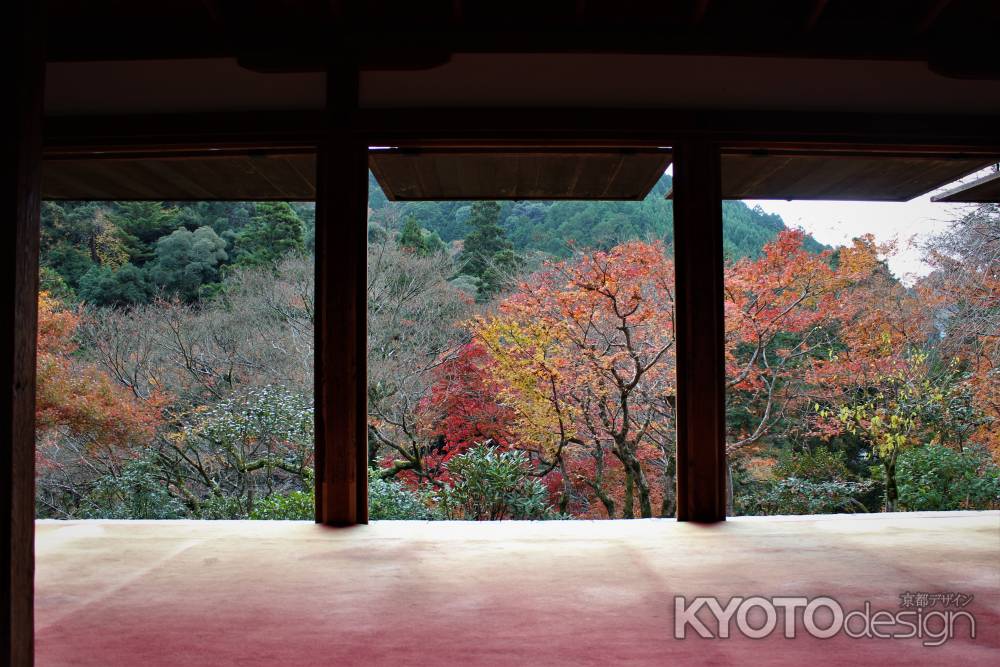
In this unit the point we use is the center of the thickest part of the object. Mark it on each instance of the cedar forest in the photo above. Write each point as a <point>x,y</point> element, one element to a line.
<point>520,363</point>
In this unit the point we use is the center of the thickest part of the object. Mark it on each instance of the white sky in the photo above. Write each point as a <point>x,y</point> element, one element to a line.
<point>907,223</point>
<point>837,223</point>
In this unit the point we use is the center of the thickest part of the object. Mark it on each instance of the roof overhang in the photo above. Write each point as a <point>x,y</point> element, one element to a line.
<point>221,174</point>
<point>404,175</point>
<point>985,190</point>
<point>518,173</point>
<point>841,175</point>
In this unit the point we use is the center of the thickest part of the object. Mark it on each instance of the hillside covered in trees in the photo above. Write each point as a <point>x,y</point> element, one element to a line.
<point>520,363</point>
<point>553,227</point>
<point>117,253</point>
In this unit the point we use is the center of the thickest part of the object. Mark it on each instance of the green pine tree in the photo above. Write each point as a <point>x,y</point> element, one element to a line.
<point>274,231</point>
<point>412,237</point>
<point>486,239</point>
<point>488,256</point>
<point>498,274</point>
<point>417,239</point>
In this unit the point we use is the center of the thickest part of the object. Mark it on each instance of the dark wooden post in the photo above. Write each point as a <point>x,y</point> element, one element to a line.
<point>701,382</point>
<point>341,308</point>
<point>25,68</point>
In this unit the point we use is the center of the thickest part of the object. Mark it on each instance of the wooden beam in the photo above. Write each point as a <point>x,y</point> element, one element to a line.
<point>75,135</point>
<point>290,35</point>
<point>341,309</point>
<point>701,382</point>
<point>25,70</point>
<point>975,134</point>
<point>978,134</point>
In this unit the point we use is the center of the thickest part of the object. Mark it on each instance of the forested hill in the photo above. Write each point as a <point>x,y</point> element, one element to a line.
<point>546,226</point>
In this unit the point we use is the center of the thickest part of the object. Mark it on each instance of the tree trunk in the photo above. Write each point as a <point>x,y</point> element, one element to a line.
<point>628,510</point>
<point>668,506</point>
<point>642,486</point>
<point>635,483</point>
<point>606,500</point>
<point>891,490</point>
<point>598,482</point>
<point>730,501</point>
<point>567,487</point>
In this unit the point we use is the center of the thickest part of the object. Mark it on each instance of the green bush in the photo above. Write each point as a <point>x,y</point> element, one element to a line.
<point>391,499</point>
<point>293,506</point>
<point>221,507</point>
<point>817,464</point>
<point>134,494</point>
<point>489,485</point>
<point>387,499</point>
<point>939,478</point>
<point>813,481</point>
<point>794,495</point>
<point>126,286</point>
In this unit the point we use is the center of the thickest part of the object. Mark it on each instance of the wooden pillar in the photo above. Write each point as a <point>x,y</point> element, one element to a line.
<point>701,386</point>
<point>24,66</point>
<point>341,308</point>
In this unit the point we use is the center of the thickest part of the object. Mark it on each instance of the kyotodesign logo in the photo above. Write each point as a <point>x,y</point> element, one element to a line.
<point>823,617</point>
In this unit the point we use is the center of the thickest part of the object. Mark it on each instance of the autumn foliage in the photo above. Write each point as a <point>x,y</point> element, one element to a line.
<point>576,366</point>
<point>550,394</point>
<point>965,288</point>
<point>79,399</point>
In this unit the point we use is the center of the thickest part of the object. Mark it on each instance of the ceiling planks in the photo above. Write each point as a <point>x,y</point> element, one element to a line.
<point>469,174</point>
<point>840,176</point>
<point>511,173</point>
<point>461,174</point>
<point>201,176</point>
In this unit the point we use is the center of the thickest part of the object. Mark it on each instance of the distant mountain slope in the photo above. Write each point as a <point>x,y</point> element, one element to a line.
<point>548,226</point>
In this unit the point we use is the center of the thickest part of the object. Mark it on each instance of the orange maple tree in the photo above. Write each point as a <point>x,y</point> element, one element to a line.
<point>799,326</point>
<point>77,399</point>
<point>582,354</point>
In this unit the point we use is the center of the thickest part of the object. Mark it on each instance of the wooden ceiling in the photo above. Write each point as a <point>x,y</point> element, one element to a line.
<point>983,190</point>
<point>404,176</point>
<point>511,173</point>
<point>518,173</point>
<point>841,176</point>
<point>207,175</point>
